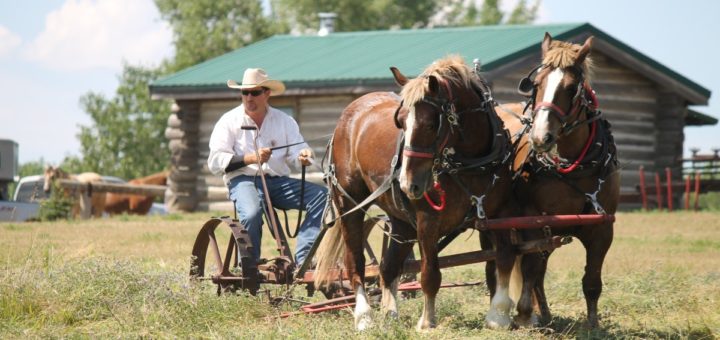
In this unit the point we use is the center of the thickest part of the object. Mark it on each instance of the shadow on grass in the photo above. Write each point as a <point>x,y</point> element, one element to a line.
<point>567,327</point>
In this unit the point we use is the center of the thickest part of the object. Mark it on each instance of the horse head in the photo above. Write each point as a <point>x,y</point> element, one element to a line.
<point>560,91</point>
<point>431,114</point>
<point>51,174</point>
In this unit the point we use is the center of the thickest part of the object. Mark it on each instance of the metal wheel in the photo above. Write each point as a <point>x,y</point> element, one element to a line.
<point>227,272</point>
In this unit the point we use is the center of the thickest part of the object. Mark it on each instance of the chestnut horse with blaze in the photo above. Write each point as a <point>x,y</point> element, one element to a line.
<point>566,164</point>
<point>135,204</point>
<point>440,138</point>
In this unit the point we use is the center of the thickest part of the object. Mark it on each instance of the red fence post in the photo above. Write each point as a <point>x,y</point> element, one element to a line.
<point>643,192</point>
<point>687,192</point>
<point>668,178</point>
<point>658,193</point>
<point>697,190</point>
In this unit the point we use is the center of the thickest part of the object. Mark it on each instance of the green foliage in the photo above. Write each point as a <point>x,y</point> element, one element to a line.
<point>460,14</point>
<point>356,15</point>
<point>204,29</point>
<point>710,201</point>
<point>523,14</point>
<point>128,136</point>
<point>58,206</point>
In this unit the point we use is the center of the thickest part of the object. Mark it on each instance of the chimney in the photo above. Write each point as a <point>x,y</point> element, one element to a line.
<point>327,23</point>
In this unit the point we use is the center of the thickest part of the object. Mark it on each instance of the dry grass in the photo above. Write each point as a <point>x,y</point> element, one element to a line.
<point>126,277</point>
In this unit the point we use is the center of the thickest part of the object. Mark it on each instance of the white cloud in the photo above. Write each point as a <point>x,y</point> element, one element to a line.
<point>8,41</point>
<point>87,34</point>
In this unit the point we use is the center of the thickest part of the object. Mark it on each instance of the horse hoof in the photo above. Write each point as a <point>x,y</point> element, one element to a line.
<point>363,322</point>
<point>495,320</point>
<point>424,327</point>
<point>527,322</point>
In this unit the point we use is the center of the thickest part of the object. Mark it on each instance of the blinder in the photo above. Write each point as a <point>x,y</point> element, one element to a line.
<point>527,87</point>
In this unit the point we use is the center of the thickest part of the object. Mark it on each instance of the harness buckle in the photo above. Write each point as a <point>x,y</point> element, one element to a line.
<point>593,199</point>
<point>478,203</point>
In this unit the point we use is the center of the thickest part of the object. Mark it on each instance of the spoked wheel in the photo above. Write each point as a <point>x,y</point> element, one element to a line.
<point>227,272</point>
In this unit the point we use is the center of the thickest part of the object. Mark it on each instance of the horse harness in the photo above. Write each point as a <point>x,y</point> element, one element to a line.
<point>599,157</point>
<point>445,160</point>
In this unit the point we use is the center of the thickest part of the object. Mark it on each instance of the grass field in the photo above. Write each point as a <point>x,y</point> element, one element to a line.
<point>126,277</point>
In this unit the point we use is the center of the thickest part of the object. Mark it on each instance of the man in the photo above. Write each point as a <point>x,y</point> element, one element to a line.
<point>233,154</point>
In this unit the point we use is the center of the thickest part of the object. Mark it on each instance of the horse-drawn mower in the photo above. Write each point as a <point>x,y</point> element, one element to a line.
<point>233,267</point>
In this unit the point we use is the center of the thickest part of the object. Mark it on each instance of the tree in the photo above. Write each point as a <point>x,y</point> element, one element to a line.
<point>464,13</point>
<point>128,136</point>
<point>204,29</point>
<point>356,15</point>
<point>523,14</point>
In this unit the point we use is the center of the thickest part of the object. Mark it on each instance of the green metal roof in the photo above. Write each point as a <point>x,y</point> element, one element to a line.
<point>358,58</point>
<point>696,118</point>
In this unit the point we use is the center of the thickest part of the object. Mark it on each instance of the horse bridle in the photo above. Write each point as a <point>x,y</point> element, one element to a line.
<point>584,98</point>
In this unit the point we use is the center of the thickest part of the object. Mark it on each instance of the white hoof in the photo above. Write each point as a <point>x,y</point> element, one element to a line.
<point>363,322</point>
<point>424,325</point>
<point>495,320</point>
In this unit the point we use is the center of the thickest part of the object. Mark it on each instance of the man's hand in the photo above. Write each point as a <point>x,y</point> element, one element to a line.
<point>251,157</point>
<point>305,157</point>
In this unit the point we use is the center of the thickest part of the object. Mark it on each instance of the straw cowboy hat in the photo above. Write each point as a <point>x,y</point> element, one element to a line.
<point>257,77</point>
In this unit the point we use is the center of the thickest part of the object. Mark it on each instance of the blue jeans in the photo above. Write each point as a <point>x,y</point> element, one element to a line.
<point>247,193</point>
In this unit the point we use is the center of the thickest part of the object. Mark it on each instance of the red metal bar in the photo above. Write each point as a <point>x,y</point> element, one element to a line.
<point>658,194</point>
<point>668,179</point>
<point>550,220</point>
<point>411,286</point>
<point>327,308</point>
<point>687,192</point>
<point>643,192</point>
<point>697,190</point>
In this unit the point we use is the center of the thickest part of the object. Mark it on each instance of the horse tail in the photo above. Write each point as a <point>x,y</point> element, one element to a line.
<point>328,255</point>
<point>516,280</point>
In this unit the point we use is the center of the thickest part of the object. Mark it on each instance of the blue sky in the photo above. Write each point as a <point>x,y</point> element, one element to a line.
<point>54,51</point>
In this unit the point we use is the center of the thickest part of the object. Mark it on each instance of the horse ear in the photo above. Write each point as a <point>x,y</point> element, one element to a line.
<point>584,50</point>
<point>546,44</point>
<point>400,79</point>
<point>433,84</point>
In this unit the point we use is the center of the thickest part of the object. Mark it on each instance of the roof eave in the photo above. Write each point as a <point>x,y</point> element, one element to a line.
<point>293,88</point>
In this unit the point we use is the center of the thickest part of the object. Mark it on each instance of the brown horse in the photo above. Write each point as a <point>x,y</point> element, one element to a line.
<point>454,146</point>
<point>567,165</point>
<point>84,206</point>
<point>135,204</point>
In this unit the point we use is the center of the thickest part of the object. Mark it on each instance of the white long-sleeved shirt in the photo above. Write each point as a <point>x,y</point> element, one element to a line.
<point>228,139</point>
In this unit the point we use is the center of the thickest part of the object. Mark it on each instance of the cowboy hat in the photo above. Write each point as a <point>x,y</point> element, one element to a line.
<point>257,77</point>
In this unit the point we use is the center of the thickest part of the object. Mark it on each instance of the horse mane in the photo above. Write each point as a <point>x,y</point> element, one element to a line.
<point>451,69</point>
<point>562,54</point>
<point>59,173</point>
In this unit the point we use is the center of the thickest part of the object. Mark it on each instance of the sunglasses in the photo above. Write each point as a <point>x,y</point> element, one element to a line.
<point>253,93</point>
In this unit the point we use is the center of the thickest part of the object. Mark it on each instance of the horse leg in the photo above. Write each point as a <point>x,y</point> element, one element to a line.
<point>430,278</point>
<point>355,265</point>
<point>392,265</point>
<point>487,244</point>
<point>531,267</point>
<point>596,245</point>
<point>498,317</point>
<point>541,304</point>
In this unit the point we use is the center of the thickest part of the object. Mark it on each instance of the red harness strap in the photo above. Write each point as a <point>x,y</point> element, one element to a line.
<point>440,191</point>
